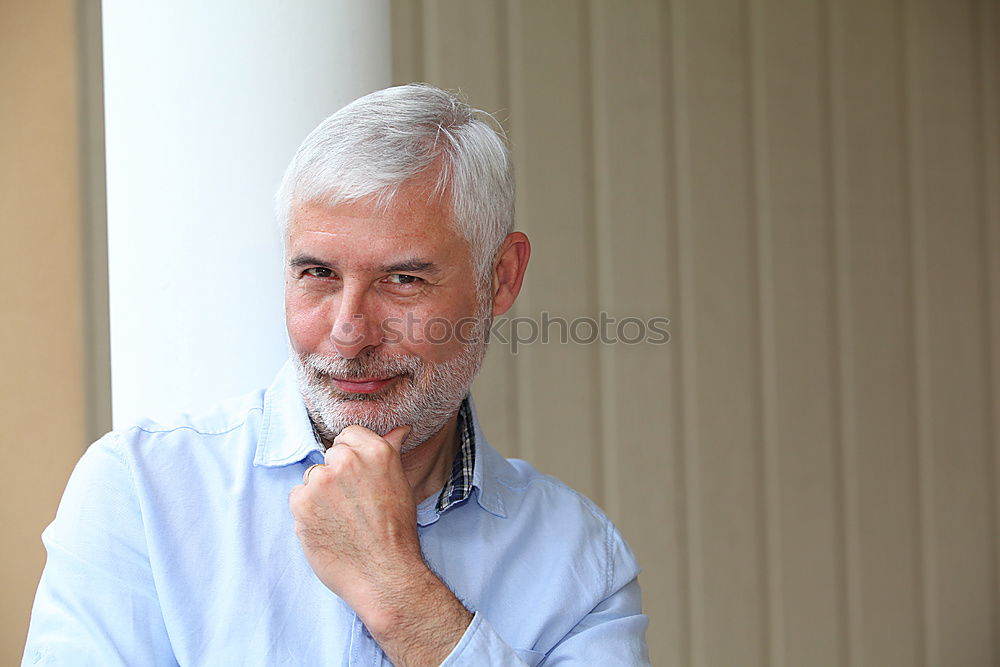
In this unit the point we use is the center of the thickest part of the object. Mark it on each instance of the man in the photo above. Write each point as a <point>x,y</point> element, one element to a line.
<point>353,513</point>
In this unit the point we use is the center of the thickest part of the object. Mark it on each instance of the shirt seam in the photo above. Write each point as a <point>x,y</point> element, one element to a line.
<point>190,427</point>
<point>609,568</point>
<point>556,484</point>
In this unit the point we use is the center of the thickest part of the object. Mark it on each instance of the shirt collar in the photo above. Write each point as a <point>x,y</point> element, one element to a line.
<point>286,434</point>
<point>493,477</point>
<point>459,484</point>
<point>287,437</point>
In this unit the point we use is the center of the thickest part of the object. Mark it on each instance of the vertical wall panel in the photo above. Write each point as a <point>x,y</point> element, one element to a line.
<point>634,239</point>
<point>808,471</point>
<point>725,351</point>
<point>797,277</point>
<point>846,427</point>
<point>408,41</point>
<point>558,384</point>
<point>946,213</point>
<point>447,60</point>
<point>685,336</point>
<point>988,86</point>
<point>881,391</point>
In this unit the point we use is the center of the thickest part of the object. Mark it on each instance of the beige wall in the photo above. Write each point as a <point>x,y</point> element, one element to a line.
<point>41,293</point>
<point>808,471</point>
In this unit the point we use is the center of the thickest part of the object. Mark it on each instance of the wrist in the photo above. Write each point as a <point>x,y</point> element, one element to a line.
<point>402,600</point>
<point>418,622</point>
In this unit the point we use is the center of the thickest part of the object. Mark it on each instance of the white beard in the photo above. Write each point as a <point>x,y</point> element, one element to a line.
<point>424,396</point>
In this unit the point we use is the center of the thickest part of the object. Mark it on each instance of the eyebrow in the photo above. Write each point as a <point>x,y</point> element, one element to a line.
<point>306,260</point>
<point>404,266</point>
<point>410,266</point>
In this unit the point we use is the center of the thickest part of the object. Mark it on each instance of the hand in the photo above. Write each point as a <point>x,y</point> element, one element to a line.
<point>356,519</point>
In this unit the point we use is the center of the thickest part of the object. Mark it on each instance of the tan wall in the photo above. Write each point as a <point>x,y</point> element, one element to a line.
<point>809,470</point>
<point>41,292</point>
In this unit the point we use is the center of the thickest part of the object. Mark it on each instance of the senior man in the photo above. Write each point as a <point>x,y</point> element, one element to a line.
<point>353,513</point>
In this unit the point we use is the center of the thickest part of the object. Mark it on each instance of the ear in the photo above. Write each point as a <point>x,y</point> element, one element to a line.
<point>508,271</point>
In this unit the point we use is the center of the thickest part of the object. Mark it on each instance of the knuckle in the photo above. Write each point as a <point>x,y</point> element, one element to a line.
<point>335,457</point>
<point>352,431</point>
<point>295,499</point>
<point>382,452</point>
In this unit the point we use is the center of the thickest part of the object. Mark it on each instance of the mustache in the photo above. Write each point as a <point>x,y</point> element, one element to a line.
<point>366,365</point>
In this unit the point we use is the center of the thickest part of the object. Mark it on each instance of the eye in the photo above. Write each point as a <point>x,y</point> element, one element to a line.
<point>318,272</point>
<point>403,284</point>
<point>402,279</point>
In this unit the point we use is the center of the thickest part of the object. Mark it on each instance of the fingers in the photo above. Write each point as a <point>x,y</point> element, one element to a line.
<point>358,436</point>
<point>305,475</point>
<point>340,452</point>
<point>354,445</point>
<point>355,436</point>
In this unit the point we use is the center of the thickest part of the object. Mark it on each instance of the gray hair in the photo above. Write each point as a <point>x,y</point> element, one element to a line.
<point>375,144</point>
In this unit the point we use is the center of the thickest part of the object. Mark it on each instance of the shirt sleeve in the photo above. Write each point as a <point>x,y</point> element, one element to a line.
<point>613,633</point>
<point>481,645</point>
<point>96,603</point>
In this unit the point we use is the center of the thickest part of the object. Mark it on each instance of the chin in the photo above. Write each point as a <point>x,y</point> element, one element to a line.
<point>367,413</point>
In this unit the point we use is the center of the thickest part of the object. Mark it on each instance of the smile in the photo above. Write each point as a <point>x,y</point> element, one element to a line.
<point>363,386</point>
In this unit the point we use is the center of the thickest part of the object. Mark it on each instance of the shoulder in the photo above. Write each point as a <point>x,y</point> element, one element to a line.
<point>172,455</point>
<point>221,419</point>
<point>234,419</point>
<point>551,512</point>
<point>540,505</point>
<point>533,489</point>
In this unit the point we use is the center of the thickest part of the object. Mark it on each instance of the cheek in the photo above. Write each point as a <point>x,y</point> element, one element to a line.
<point>307,321</point>
<point>436,335</point>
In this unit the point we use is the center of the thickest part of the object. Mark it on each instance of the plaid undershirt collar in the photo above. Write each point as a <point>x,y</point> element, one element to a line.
<point>459,485</point>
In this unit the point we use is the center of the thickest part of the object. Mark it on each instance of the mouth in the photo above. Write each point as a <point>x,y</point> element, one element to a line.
<point>363,385</point>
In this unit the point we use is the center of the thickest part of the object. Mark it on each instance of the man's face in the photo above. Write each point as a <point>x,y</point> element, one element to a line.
<point>383,315</point>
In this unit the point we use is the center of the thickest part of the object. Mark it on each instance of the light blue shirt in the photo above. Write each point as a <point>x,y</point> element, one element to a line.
<point>174,545</point>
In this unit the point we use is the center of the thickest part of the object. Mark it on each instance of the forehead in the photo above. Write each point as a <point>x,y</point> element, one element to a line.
<point>361,231</point>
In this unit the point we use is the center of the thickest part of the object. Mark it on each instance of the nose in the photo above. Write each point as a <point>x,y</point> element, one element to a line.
<point>355,327</point>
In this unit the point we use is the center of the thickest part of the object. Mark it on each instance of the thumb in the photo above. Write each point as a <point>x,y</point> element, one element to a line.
<point>396,436</point>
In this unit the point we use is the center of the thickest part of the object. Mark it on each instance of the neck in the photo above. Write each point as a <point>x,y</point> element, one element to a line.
<point>428,465</point>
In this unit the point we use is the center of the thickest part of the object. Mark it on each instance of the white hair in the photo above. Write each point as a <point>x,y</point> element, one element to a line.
<point>380,141</point>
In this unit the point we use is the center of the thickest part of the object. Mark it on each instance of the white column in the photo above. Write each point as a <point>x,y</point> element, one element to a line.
<point>205,103</point>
